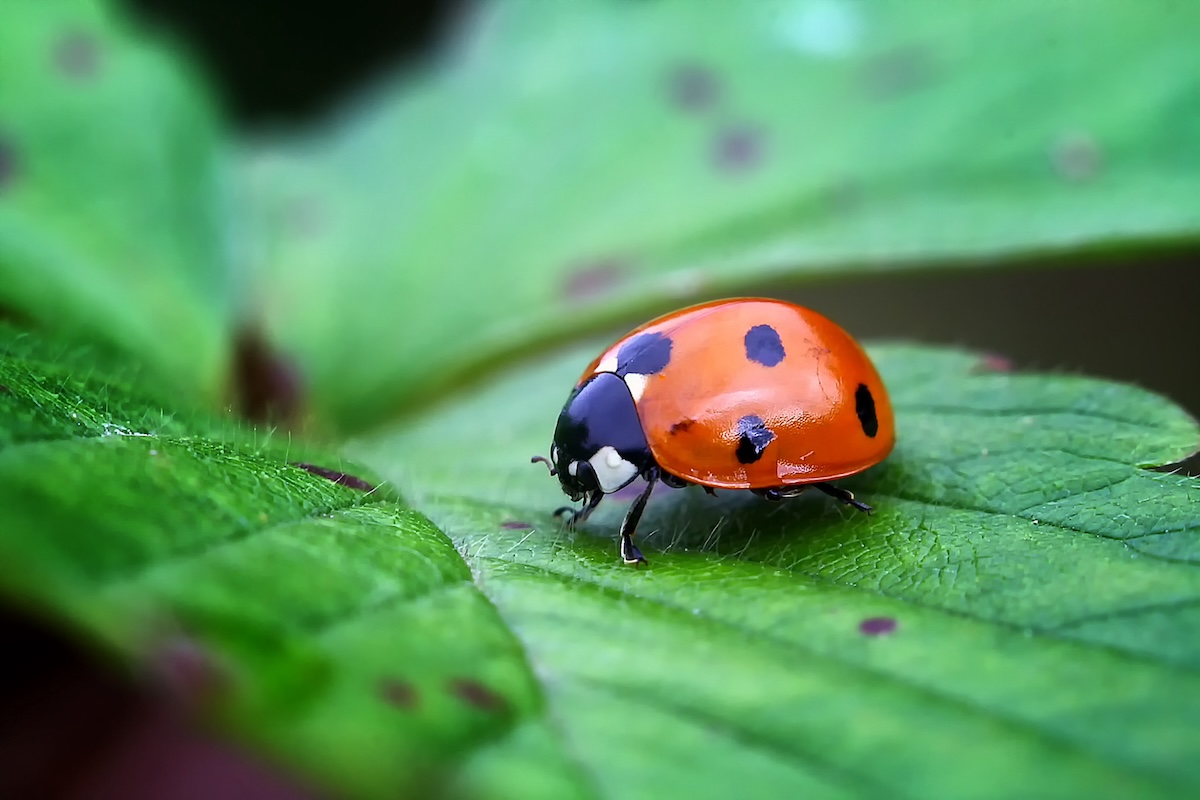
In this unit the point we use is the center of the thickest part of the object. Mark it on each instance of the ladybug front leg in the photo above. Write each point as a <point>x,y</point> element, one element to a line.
<point>580,515</point>
<point>629,552</point>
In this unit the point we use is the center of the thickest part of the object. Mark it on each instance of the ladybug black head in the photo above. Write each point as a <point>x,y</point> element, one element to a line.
<point>599,445</point>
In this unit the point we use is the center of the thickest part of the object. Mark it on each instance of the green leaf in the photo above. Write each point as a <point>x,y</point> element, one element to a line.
<point>1018,618</point>
<point>562,167</point>
<point>113,212</point>
<point>334,627</point>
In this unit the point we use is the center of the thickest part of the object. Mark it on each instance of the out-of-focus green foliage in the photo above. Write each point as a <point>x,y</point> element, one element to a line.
<point>114,210</point>
<point>574,163</point>
<point>1018,618</point>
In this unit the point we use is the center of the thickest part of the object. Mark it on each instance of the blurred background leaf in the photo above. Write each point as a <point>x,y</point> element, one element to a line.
<point>561,168</point>
<point>114,203</point>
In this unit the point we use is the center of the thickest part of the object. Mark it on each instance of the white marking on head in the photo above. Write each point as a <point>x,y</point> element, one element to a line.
<point>608,365</point>
<point>612,471</point>
<point>573,468</point>
<point>637,384</point>
<point>554,452</point>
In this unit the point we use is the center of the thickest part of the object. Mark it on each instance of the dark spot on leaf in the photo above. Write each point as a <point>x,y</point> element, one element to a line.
<point>4,389</point>
<point>737,149</point>
<point>897,72</point>
<point>594,280</point>
<point>77,55</point>
<point>1076,157</point>
<point>644,354</point>
<point>401,694</point>
<point>266,385</point>
<point>843,196</point>
<point>754,438</point>
<point>864,407</point>
<point>764,346</point>
<point>683,426</point>
<point>186,670</point>
<point>305,218</point>
<point>515,525</point>
<point>877,626</point>
<point>340,478</point>
<point>476,694</point>
<point>693,88</point>
<point>994,363</point>
<point>8,163</point>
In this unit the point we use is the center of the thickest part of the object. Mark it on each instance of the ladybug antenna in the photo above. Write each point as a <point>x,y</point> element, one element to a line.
<point>545,461</point>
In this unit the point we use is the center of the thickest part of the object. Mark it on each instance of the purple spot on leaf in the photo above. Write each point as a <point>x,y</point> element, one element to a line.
<point>515,525</point>
<point>340,478</point>
<point>305,218</point>
<point>897,72</point>
<point>994,363</point>
<point>8,163</point>
<point>399,693</point>
<point>877,626</point>
<point>476,694</point>
<point>186,670</point>
<point>738,149</point>
<point>1076,157</point>
<point>693,88</point>
<point>77,55</point>
<point>594,280</point>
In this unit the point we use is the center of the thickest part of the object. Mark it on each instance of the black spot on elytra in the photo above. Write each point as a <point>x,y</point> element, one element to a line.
<point>267,386</point>
<point>644,354</point>
<point>877,626</point>
<point>401,694</point>
<point>764,346</point>
<point>864,406</point>
<point>476,694</point>
<point>693,88</point>
<point>737,149</point>
<point>515,525</point>
<point>755,436</point>
<point>683,426</point>
<point>77,55</point>
<point>340,478</point>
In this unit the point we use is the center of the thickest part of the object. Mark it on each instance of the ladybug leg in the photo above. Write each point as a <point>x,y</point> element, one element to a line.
<point>710,490</point>
<point>580,515</point>
<point>782,493</point>
<point>843,495</point>
<point>674,481</point>
<point>629,552</point>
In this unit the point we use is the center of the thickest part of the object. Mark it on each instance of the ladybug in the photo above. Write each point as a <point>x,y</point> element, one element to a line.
<point>744,393</point>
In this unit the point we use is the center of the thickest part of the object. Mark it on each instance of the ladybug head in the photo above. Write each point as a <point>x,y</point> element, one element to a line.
<point>598,445</point>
